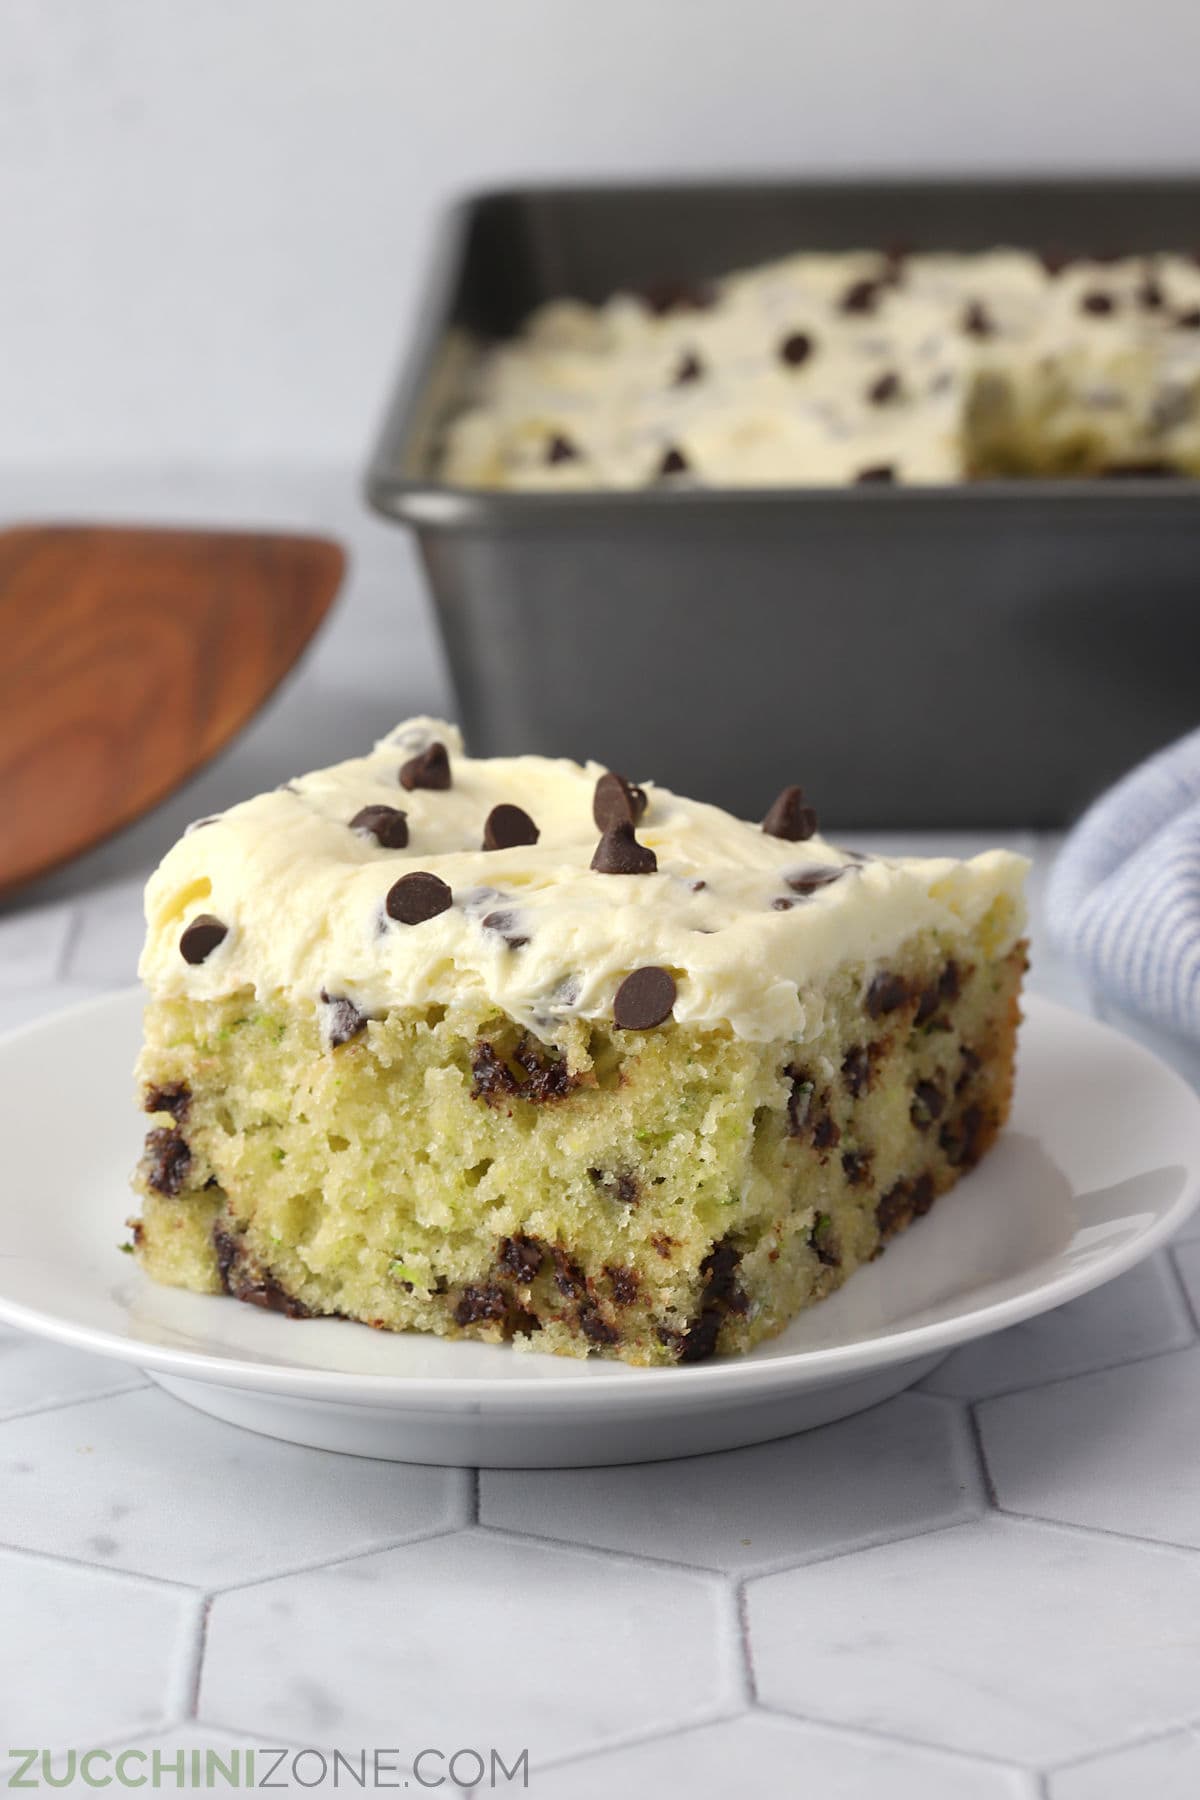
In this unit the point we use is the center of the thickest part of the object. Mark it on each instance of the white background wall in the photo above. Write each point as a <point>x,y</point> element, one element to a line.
<point>213,213</point>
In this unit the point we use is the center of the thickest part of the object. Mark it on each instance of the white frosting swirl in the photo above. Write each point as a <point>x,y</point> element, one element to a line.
<point>303,897</point>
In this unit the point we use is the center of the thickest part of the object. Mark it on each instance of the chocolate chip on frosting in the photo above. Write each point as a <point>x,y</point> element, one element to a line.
<point>1098,303</point>
<point>644,999</point>
<point>690,369</point>
<point>861,296</point>
<point>674,462</point>
<point>808,881</point>
<point>617,801</point>
<point>201,938</point>
<point>977,321</point>
<point>560,449</point>
<point>875,472</point>
<point>1189,321</point>
<point>619,853</point>
<point>386,824</point>
<point>506,827</point>
<point>790,817</point>
<point>431,769</point>
<point>795,349</point>
<point>342,1020</point>
<point>505,925</point>
<point>885,390</point>
<point>663,297</point>
<point>418,896</point>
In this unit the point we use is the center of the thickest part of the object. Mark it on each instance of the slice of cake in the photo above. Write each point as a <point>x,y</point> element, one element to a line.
<point>518,1050</point>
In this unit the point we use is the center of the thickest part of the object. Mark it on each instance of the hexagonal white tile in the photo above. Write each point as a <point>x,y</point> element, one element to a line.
<point>1079,1450</point>
<point>140,1482</point>
<point>475,1640</point>
<point>1137,1315</point>
<point>86,1655</point>
<point>35,1374</point>
<point>1167,1769</point>
<point>760,1755</point>
<point>899,1468</point>
<point>999,1638</point>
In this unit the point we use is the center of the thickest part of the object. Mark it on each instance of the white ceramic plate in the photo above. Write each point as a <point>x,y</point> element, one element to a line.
<point>1100,1164</point>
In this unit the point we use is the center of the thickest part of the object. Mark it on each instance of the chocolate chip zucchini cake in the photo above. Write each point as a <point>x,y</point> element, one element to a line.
<point>847,367</point>
<point>515,1049</point>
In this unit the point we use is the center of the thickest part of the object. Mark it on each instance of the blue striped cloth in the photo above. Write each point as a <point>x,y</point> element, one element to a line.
<point>1124,895</point>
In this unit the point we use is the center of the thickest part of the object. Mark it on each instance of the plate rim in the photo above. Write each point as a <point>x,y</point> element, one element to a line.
<point>623,1387</point>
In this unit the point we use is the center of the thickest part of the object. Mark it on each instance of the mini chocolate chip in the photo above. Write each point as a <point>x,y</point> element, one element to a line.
<point>674,462</point>
<point>928,1104</point>
<point>617,802</point>
<point>621,1186</point>
<point>560,449</point>
<point>478,1304</point>
<point>795,349</point>
<point>927,1004</point>
<point>508,827</point>
<point>624,1284</point>
<point>418,896</point>
<point>1098,303</point>
<point>166,1161</point>
<point>1189,321</point>
<point>876,472</point>
<point>386,824</point>
<point>343,1020</point>
<point>1150,294</point>
<point>950,981</point>
<point>1054,261</point>
<point>174,1097</point>
<point>201,938</point>
<point>977,321</point>
<point>644,999</point>
<point>885,390</point>
<point>826,1134</point>
<point>807,881</point>
<point>505,926</point>
<point>663,297</point>
<point>690,369</point>
<point>886,993</point>
<point>619,853</point>
<point>857,1071</point>
<point>431,769</point>
<point>521,1256</point>
<point>861,296</point>
<point>789,817</point>
<point>782,904</point>
<point>856,1166</point>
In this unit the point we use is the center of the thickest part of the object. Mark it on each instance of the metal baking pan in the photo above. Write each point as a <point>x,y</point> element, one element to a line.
<point>987,654</point>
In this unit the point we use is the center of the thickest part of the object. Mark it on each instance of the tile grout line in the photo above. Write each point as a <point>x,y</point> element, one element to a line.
<point>873,1735</point>
<point>760,1571</point>
<point>199,1651</point>
<point>1101,1368</point>
<point>44,1408</point>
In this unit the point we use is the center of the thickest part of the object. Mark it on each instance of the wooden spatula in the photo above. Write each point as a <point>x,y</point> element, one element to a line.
<point>128,658</point>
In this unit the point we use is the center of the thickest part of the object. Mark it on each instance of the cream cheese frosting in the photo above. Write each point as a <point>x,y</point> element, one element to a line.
<point>835,367</point>
<point>285,897</point>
